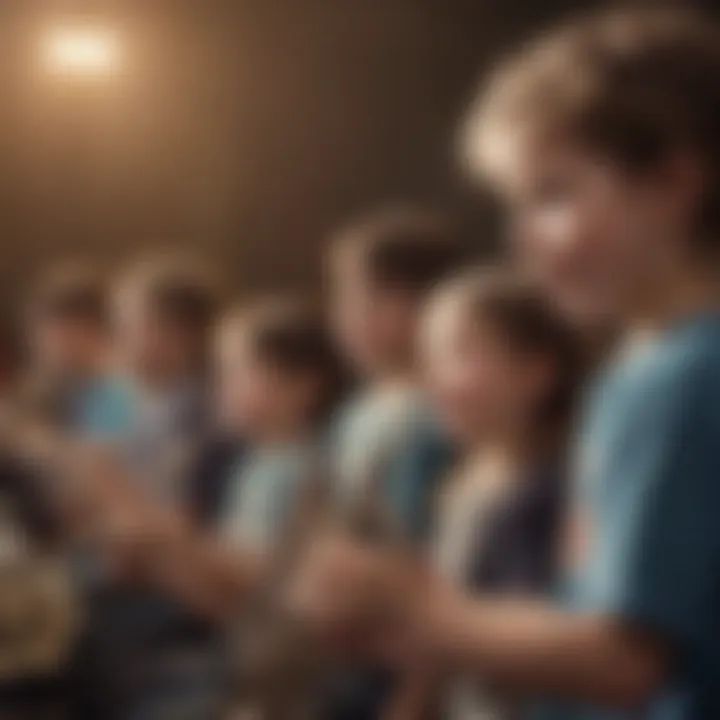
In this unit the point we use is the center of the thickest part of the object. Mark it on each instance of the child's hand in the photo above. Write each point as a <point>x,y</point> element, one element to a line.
<point>359,596</point>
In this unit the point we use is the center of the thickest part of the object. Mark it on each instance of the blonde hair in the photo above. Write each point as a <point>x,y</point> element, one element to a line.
<point>631,85</point>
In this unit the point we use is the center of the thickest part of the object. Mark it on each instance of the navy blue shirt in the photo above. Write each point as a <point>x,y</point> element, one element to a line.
<point>518,543</point>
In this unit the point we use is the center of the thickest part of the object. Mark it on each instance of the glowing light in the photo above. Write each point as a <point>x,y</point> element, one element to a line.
<point>82,51</point>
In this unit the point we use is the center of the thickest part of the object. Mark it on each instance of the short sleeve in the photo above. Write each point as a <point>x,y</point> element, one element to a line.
<point>657,552</point>
<point>414,478</point>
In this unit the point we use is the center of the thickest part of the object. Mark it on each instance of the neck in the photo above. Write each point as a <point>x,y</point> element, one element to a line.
<point>395,376</point>
<point>164,382</point>
<point>393,371</point>
<point>91,367</point>
<point>508,450</point>
<point>283,434</point>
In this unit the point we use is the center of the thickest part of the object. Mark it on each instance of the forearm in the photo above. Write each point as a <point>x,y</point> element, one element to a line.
<point>534,648</point>
<point>202,573</point>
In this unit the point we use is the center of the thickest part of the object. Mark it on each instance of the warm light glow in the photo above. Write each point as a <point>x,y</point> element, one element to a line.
<point>82,51</point>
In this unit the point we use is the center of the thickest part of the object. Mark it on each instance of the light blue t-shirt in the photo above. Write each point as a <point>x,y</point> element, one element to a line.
<point>649,470</point>
<point>263,492</point>
<point>102,409</point>
<point>392,440</point>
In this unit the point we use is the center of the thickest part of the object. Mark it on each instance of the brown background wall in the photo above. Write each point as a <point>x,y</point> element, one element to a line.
<point>244,128</point>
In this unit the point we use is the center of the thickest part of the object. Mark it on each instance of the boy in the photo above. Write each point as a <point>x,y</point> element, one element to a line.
<point>152,655</point>
<point>280,378</point>
<point>610,155</point>
<point>72,379</point>
<point>381,271</point>
<point>385,443</point>
<point>164,315</point>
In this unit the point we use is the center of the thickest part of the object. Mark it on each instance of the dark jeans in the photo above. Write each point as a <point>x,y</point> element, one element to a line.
<point>144,659</point>
<point>358,695</point>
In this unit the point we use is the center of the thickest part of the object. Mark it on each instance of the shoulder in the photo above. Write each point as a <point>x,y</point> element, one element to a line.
<point>381,419</point>
<point>680,372</point>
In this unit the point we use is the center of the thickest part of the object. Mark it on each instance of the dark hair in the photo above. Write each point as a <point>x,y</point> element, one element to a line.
<point>71,292</point>
<point>405,248</point>
<point>633,84</point>
<point>293,336</point>
<point>528,322</point>
<point>177,291</point>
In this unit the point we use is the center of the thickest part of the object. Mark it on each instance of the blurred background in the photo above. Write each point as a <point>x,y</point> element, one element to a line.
<point>247,128</point>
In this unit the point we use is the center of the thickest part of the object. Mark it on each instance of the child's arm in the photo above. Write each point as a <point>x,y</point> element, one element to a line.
<point>145,542</point>
<point>527,647</point>
<point>148,544</point>
<point>203,572</point>
<point>534,648</point>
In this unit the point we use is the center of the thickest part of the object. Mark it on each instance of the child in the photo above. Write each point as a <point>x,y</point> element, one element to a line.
<point>164,314</point>
<point>380,273</point>
<point>502,369</point>
<point>386,445</point>
<point>73,382</point>
<point>279,378</point>
<point>604,139</point>
<point>147,653</point>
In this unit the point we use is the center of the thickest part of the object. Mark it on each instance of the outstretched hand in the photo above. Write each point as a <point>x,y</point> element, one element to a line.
<point>359,597</point>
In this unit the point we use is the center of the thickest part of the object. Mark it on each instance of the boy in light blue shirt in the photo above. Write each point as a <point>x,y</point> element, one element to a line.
<point>381,271</point>
<point>279,378</point>
<point>603,139</point>
<point>70,341</point>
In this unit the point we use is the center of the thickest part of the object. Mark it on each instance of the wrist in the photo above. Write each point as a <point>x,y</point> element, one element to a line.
<point>438,618</point>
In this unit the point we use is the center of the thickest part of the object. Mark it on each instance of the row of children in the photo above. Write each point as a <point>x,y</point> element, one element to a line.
<point>603,138</point>
<point>200,494</point>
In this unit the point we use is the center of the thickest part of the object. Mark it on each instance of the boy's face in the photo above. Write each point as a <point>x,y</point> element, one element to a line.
<point>374,326</point>
<point>482,389</point>
<point>255,399</point>
<point>65,346</point>
<point>597,237</point>
<point>152,346</point>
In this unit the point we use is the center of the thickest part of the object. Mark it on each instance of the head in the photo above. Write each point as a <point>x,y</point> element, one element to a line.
<point>67,324</point>
<point>164,316</point>
<point>500,363</point>
<point>381,271</point>
<point>603,140</point>
<point>278,371</point>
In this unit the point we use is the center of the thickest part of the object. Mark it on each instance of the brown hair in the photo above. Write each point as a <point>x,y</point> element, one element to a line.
<point>180,291</point>
<point>405,248</point>
<point>73,292</point>
<point>293,336</point>
<point>526,320</point>
<point>633,85</point>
